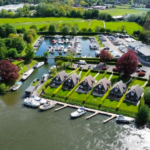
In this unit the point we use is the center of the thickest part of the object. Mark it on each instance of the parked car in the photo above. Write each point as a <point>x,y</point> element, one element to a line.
<point>81,66</point>
<point>140,70</point>
<point>94,67</point>
<point>82,62</point>
<point>106,48</point>
<point>89,67</point>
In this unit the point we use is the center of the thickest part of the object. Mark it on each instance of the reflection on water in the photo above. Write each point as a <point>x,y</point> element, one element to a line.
<point>23,128</point>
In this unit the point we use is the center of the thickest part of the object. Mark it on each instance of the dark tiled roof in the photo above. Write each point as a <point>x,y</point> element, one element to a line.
<point>74,77</point>
<point>137,89</point>
<point>62,75</point>
<point>89,79</point>
<point>104,82</point>
<point>120,85</point>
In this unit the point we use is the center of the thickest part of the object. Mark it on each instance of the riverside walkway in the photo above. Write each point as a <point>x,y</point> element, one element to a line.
<point>95,112</point>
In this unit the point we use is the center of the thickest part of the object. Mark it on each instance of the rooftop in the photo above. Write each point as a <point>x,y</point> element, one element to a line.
<point>145,50</point>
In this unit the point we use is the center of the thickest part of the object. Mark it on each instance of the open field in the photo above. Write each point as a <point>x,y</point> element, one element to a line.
<point>118,12</point>
<point>40,22</point>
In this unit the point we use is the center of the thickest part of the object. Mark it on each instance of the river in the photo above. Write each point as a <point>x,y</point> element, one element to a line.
<point>24,128</point>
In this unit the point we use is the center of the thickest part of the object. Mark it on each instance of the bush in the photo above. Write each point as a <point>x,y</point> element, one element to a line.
<point>2,88</point>
<point>143,115</point>
<point>147,96</point>
<point>141,74</point>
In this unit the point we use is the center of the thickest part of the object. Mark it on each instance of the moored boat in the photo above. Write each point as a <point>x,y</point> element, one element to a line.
<point>44,77</point>
<point>17,86</point>
<point>38,99</point>
<point>27,74</point>
<point>48,105</point>
<point>123,119</point>
<point>79,112</point>
<point>31,102</point>
<point>38,64</point>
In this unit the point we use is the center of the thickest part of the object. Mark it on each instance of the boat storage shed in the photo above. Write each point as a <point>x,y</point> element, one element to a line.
<point>29,91</point>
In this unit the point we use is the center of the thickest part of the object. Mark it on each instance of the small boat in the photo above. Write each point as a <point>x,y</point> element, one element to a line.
<point>38,99</point>
<point>123,119</point>
<point>69,47</point>
<point>78,52</point>
<point>79,112</point>
<point>31,102</point>
<point>38,64</point>
<point>67,41</point>
<point>60,51</point>
<point>54,41</point>
<point>48,105</point>
<point>65,50</point>
<point>50,46</point>
<point>84,56</point>
<point>52,51</point>
<point>27,74</point>
<point>44,77</point>
<point>62,48</point>
<point>17,86</point>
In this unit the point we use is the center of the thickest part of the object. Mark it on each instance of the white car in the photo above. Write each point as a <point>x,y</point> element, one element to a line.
<point>82,62</point>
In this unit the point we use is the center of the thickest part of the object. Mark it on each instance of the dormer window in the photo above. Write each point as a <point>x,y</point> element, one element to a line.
<point>57,78</point>
<point>84,83</point>
<point>69,80</point>
<point>100,85</point>
<point>132,93</point>
<point>116,89</point>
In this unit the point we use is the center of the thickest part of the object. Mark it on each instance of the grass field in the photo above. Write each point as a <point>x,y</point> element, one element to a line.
<point>118,11</point>
<point>93,100</point>
<point>62,93</point>
<point>40,22</point>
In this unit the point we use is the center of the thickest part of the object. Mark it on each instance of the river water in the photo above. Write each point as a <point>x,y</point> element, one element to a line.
<point>24,128</point>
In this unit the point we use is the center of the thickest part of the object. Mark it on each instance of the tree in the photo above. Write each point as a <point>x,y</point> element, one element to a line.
<point>104,56</point>
<point>74,30</point>
<point>58,63</point>
<point>52,28</point>
<point>46,54</point>
<point>147,96</point>
<point>8,71</point>
<point>90,30</point>
<point>53,71</point>
<point>29,52</point>
<point>34,27</point>
<point>65,30</point>
<point>29,38</point>
<point>128,63</point>
<point>70,55</point>
<point>97,28</point>
<point>3,52</point>
<point>143,115</point>
<point>2,88</point>
<point>12,53</point>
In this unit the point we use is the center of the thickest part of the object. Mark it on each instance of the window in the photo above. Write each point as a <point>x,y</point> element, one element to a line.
<point>116,89</point>
<point>100,86</point>
<point>57,78</point>
<point>84,83</point>
<point>69,80</point>
<point>132,93</point>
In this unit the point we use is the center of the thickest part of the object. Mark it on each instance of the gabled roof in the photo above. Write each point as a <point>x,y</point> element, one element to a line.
<point>120,85</point>
<point>74,78</point>
<point>89,79</point>
<point>62,75</point>
<point>104,82</point>
<point>137,89</point>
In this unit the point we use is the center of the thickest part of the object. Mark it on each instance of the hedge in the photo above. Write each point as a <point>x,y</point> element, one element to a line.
<point>121,100</point>
<point>57,89</point>
<point>105,96</point>
<point>88,95</point>
<point>96,71</point>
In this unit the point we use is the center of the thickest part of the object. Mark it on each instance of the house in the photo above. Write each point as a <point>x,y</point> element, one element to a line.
<point>101,87</point>
<point>86,84</point>
<point>134,94</point>
<point>71,81</point>
<point>59,79</point>
<point>118,89</point>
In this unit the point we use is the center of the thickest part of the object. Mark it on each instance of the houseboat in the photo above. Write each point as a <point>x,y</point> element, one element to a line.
<point>27,74</point>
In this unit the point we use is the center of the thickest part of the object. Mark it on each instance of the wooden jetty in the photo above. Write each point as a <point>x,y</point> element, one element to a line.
<point>95,112</point>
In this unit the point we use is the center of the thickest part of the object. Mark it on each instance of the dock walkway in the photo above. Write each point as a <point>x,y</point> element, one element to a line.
<point>95,112</point>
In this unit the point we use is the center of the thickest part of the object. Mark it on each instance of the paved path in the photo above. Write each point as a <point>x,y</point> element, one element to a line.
<point>80,72</point>
<point>104,24</point>
<point>96,75</point>
<point>110,77</point>
<point>144,84</point>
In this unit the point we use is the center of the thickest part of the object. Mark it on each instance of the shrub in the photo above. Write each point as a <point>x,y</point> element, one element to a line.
<point>143,115</point>
<point>141,74</point>
<point>147,96</point>
<point>2,88</point>
<point>115,69</point>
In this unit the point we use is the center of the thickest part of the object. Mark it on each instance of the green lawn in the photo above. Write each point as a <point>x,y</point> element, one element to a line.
<point>40,22</point>
<point>129,26</point>
<point>93,74</point>
<point>82,74</point>
<point>100,75</point>
<point>32,63</point>
<point>93,100</point>
<point>62,93</point>
<point>126,106</point>
<point>50,90</point>
<point>140,82</point>
<point>34,83</point>
<point>118,12</point>
<point>110,103</point>
<point>78,96</point>
<point>107,76</point>
<point>114,79</point>
<point>69,70</point>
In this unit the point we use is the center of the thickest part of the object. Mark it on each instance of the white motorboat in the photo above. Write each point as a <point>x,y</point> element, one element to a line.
<point>78,52</point>
<point>79,112</point>
<point>38,99</point>
<point>48,105</point>
<point>65,50</point>
<point>67,41</point>
<point>39,64</point>
<point>52,67</point>
<point>31,102</point>
<point>50,46</point>
<point>27,74</point>
<point>69,47</point>
<point>44,77</point>
<point>84,56</point>
<point>17,86</point>
<point>123,119</point>
<point>52,51</point>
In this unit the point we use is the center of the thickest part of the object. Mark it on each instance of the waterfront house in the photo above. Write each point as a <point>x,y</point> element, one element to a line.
<point>71,81</point>
<point>135,45</point>
<point>118,90</point>
<point>59,79</point>
<point>134,94</point>
<point>86,84</point>
<point>101,87</point>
